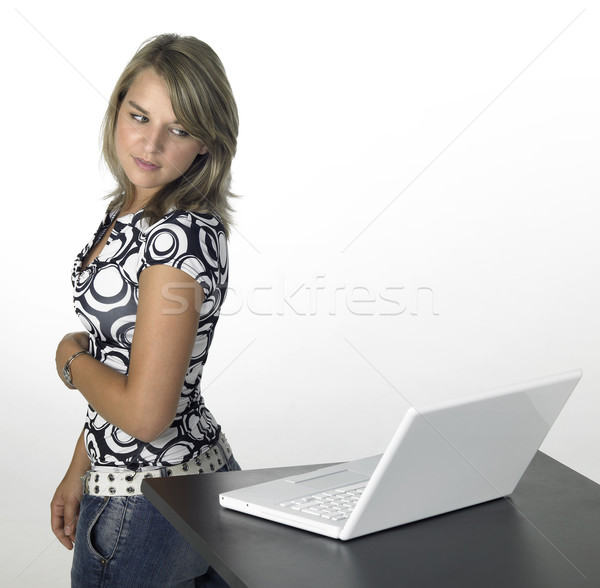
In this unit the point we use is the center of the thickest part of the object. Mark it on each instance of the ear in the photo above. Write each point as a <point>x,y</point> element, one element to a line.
<point>203,150</point>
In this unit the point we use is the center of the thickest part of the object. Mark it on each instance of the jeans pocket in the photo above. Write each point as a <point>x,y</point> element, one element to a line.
<point>106,527</point>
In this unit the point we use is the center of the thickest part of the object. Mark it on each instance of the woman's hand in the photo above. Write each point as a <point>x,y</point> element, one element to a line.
<point>69,345</point>
<point>64,509</point>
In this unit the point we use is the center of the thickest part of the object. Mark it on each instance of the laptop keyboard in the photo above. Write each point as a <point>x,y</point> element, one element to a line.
<point>335,505</point>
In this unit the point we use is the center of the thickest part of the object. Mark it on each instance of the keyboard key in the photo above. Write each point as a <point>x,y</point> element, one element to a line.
<point>334,505</point>
<point>312,511</point>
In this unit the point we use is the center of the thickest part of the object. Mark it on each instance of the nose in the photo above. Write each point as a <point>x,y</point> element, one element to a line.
<point>152,138</point>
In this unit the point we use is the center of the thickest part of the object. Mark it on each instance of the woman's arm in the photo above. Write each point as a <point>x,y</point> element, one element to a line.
<point>64,508</point>
<point>144,403</point>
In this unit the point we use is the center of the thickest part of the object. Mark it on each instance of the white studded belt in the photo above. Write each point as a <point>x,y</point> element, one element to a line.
<point>123,482</point>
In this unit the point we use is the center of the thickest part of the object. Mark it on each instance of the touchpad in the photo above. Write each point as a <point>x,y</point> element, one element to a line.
<point>336,480</point>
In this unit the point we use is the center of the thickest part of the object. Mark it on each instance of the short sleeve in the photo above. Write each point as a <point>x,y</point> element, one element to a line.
<point>192,242</point>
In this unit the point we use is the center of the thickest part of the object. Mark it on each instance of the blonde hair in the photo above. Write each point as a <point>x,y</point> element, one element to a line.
<point>203,103</point>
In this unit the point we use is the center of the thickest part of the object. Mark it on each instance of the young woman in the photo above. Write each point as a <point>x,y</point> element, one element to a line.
<point>148,289</point>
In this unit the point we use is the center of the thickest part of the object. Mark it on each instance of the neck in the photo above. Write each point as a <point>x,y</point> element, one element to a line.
<point>135,206</point>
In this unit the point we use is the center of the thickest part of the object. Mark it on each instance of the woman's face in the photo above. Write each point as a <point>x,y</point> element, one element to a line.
<point>152,147</point>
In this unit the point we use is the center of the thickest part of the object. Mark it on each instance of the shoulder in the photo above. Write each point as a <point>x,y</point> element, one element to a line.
<point>183,237</point>
<point>188,222</point>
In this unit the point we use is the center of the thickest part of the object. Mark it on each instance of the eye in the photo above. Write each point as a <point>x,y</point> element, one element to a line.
<point>180,132</point>
<point>139,118</point>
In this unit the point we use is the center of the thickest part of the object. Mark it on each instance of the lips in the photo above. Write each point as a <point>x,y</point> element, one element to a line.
<point>145,165</point>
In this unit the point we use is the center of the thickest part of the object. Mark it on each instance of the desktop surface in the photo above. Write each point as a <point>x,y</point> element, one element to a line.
<point>545,535</point>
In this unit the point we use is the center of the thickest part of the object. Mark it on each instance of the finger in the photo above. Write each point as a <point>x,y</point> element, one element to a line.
<point>71,528</point>
<point>74,532</point>
<point>57,524</point>
<point>70,519</point>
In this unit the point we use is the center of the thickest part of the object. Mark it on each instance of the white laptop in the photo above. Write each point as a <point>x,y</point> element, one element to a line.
<point>441,458</point>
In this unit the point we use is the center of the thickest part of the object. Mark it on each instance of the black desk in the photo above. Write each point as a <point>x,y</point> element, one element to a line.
<point>546,535</point>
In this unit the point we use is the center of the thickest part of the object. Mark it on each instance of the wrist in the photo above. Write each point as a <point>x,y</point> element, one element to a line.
<point>67,374</point>
<point>66,349</point>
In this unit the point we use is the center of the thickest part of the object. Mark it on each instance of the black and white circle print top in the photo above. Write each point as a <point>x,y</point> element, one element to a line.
<point>105,299</point>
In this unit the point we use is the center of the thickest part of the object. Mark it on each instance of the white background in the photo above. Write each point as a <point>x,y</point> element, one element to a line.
<point>418,220</point>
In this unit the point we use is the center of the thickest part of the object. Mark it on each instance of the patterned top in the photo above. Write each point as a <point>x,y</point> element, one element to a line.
<point>105,299</point>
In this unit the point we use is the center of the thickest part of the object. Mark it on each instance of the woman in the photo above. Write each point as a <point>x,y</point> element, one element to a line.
<point>148,289</point>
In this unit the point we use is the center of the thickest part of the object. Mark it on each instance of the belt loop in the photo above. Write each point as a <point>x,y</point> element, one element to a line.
<point>84,481</point>
<point>225,450</point>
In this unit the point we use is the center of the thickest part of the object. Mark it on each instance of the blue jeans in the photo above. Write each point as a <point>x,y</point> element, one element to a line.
<point>124,541</point>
